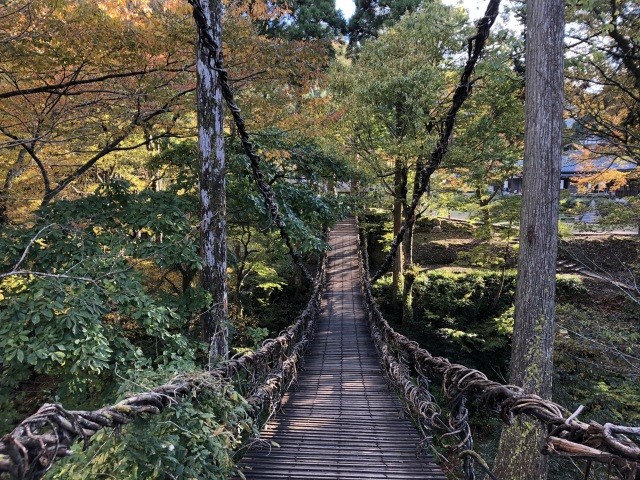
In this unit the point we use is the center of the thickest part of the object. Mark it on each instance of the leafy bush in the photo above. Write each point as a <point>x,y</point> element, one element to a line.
<point>195,439</point>
<point>467,317</point>
<point>571,288</point>
<point>84,308</point>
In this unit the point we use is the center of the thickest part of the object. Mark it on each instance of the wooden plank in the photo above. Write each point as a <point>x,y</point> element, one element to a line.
<point>340,420</point>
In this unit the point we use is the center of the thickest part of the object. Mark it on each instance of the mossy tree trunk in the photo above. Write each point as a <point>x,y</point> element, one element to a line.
<point>213,226</point>
<point>531,364</point>
<point>399,202</point>
<point>17,169</point>
<point>484,200</point>
<point>409,271</point>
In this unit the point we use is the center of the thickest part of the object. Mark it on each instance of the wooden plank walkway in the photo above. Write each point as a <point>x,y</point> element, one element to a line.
<point>340,422</point>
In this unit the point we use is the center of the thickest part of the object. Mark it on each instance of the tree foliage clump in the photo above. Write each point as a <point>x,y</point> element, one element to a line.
<point>410,72</point>
<point>78,305</point>
<point>465,317</point>
<point>371,16</point>
<point>90,90</point>
<point>309,20</point>
<point>199,438</point>
<point>603,74</point>
<point>101,283</point>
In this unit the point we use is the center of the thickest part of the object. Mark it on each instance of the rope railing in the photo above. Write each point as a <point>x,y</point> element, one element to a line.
<point>262,377</point>
<point>410,369</point>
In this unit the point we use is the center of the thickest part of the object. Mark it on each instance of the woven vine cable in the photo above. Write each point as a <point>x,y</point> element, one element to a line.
<point>204,32</point>
<point>463,90</point>
<point>614,445</point>
<point>30,450</point>
<point>412,384</point>
<point>459,422</point>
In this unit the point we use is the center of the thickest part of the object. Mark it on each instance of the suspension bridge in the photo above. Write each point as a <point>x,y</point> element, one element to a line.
<point>346,397</point>
<point>341,420</point>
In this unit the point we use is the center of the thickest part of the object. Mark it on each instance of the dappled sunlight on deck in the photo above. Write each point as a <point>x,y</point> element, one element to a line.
<point>340,421</point>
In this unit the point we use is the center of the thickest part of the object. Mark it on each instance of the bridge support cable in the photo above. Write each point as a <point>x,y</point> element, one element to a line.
<point>215,57</point>
<point>262,376</point>
<point>463,90</point>
<point>412,369</point>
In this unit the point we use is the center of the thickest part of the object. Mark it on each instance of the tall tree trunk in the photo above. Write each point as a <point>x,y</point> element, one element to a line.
<point>487,224</point>
<point>18,168</point>
<point>408,277</point>
<point>213,226</point>
<point>531,365</point>
<point>399,201</point>
<point>408,243</point>
<point>409,273</point>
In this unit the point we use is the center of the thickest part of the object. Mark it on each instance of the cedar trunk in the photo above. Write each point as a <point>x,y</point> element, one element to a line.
<point>213,227</point>
<point>409,273</point>
<point>531,364</point>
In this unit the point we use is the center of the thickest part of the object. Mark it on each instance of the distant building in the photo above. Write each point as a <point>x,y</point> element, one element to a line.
<point>576,166</point>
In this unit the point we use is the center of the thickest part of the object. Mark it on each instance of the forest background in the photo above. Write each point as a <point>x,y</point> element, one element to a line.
<point>100,220</point>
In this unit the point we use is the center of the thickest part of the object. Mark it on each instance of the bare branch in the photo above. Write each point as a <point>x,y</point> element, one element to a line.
<point>23,273</point>
<point>30,244</point>
<point>62,88</point>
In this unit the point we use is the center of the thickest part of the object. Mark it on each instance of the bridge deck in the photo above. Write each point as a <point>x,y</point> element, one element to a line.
<point>340,422</point>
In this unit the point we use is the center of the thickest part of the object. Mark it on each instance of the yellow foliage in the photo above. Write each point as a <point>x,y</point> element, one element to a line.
<point>609,179</point>
<point>57,42</point>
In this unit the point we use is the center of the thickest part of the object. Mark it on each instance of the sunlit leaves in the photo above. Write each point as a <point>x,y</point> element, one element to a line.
<point>394,96</point>
<point>195,439</point>
<point>603,73</point>
<point>117,78</point>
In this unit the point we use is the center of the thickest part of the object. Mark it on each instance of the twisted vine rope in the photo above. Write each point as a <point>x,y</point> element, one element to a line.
<point>30,450</point>
<point>404,362</point>
<point>215,57</point>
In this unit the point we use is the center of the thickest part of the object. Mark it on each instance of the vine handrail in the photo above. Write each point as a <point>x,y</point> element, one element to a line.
<point>405,362</point>
<point>262,376</point>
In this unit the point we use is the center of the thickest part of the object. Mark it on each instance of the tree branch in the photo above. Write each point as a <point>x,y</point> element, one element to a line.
<point>62,87</point>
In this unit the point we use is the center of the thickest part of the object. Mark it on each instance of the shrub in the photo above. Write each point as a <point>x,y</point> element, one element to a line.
<point>467,317</point>
<point>195,439</point>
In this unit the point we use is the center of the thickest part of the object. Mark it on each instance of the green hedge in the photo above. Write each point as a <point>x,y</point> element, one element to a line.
<point>467,317</point>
